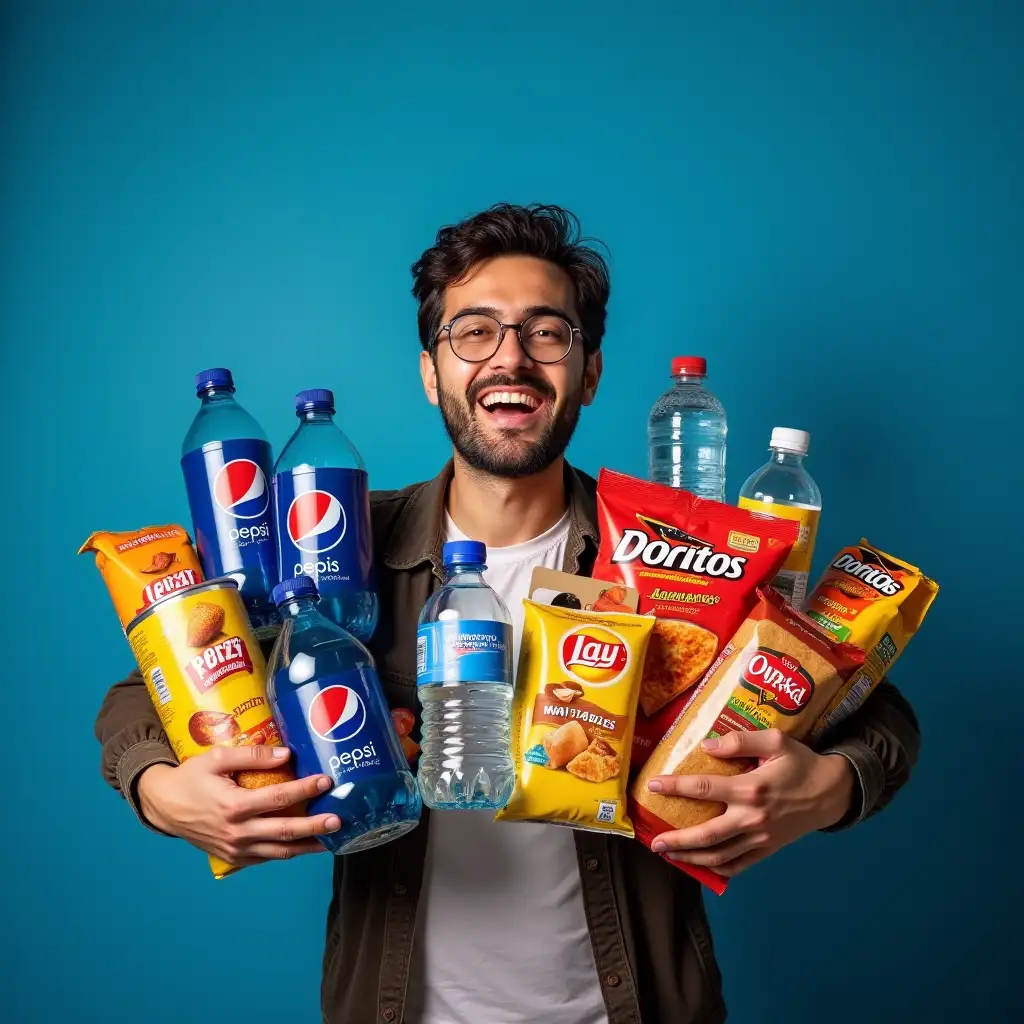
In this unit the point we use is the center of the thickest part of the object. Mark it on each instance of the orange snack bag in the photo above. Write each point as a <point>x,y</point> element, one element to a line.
<point>141,566</point>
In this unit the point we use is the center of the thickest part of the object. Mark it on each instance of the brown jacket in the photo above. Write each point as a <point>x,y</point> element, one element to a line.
<point>647,923</point>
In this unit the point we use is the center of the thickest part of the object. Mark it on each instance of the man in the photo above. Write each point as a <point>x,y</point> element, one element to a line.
<point>464,919</point>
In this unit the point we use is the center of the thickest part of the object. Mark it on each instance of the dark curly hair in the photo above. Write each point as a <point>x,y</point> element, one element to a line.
<point>547,232</point>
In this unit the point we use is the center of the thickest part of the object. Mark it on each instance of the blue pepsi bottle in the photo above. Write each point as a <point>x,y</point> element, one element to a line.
<point>327,701</point>
<point>323,516</point>
<point>226,459</point>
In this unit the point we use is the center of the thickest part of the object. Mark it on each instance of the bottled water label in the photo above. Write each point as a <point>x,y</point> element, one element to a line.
<point>464,651</point>
<point>791,581</point>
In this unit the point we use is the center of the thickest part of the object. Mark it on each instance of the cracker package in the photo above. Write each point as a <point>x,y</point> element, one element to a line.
<point>572,719</point>
<point>780,671</point>
<point>875,601</point>
<point>697,565</point>
<point>142,566</point>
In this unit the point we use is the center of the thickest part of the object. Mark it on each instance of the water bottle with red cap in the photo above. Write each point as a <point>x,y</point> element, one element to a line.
<point>686,433</point>
<point>322,499</point>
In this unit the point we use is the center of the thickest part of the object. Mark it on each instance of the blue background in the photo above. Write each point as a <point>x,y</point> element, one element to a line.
<point>825,199</point>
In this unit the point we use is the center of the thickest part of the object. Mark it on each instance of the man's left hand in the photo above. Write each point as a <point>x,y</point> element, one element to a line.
<point>793,791</point>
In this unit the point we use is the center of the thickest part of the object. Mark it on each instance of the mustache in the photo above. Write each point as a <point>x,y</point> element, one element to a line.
<point>505,380</point>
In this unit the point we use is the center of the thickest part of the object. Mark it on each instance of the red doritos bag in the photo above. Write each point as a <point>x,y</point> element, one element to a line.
<point>697,565</point>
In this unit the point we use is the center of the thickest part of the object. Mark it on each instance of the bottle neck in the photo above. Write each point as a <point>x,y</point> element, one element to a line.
<point>784,457</point>
<point>316,416</point>
<point>688,378</point>
<point>295,606</point>
<point>217,394</point>
<point>464,572</point>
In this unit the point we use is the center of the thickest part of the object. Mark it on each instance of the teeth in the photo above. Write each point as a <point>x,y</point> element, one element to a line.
<point>509,398</point>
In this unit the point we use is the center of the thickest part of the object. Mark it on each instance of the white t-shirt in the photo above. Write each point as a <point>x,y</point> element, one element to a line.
<point>501,933</point>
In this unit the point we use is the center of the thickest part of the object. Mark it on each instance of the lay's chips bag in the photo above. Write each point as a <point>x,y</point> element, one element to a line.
<point>573,715</point>
<point>876,602</point>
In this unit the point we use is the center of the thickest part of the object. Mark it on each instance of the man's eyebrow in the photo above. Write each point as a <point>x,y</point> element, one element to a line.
<point>548,311</point>
<point>478,310</point>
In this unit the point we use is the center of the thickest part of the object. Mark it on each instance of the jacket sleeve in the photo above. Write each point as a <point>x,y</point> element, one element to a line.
<point>881,740</point>
<point>132,738</point>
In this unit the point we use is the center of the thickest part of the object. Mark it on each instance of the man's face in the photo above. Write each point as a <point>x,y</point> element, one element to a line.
<point>524,436</point>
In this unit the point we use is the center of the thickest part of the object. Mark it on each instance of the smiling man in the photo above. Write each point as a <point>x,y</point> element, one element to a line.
<point>465,919</point>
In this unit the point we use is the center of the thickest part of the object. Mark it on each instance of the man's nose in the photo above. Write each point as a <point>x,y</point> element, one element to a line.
<point>510,354</point>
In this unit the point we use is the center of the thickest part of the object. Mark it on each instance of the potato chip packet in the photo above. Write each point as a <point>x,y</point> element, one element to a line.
<point>141,566</point>
<point>573,716</point>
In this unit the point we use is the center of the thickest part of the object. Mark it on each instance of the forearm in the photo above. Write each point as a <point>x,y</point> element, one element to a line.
<point>881,741</point>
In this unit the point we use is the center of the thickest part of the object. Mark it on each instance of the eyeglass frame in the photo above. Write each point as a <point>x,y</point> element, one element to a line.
<point>502,328</point>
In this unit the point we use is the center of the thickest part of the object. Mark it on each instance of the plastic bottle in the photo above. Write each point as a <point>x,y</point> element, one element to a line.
<point>327,701</point>
<point>225,459</point>
<point>464,678</point>
<point>686,433</point>
<point>323,515</point>
<point>783,488</point>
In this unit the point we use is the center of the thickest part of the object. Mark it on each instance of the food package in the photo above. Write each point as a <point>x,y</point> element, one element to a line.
<point>573,714</point>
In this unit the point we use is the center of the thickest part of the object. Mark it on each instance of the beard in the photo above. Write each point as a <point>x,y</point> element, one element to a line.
<point>510,455</point>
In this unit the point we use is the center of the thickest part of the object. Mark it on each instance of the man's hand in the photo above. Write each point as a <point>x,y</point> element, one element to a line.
<point>793,791</point>
<point>201,803</point>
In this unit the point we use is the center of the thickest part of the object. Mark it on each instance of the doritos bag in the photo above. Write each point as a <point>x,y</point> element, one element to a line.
<point>697,565</point>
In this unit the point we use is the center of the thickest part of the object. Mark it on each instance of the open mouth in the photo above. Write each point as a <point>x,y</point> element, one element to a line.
<point>511,407</point>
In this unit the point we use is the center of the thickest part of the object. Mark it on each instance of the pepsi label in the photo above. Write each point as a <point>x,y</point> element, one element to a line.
<point>229,496</point>
<point>323,521</point>
<point>464,651</point>
<point>334,726</point>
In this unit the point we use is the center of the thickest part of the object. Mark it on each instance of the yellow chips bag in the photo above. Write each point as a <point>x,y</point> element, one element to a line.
<point>573,715</point>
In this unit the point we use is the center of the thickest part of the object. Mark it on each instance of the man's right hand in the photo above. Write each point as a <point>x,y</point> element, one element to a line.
<point>201,803</point>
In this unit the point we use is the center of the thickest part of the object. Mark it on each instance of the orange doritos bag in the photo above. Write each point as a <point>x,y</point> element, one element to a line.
<point>141,566</point>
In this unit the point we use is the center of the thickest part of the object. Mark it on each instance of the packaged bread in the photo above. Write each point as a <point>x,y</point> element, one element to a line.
<point>573,715</point>
<point>876,601</point>
<point>697,565</point>
<point>780,670</point>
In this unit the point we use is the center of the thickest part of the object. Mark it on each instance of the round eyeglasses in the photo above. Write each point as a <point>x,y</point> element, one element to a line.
<point>545,338</point>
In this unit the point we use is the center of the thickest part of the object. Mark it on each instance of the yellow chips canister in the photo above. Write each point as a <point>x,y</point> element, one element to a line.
<point>573,715</point>
<point>206,676</point>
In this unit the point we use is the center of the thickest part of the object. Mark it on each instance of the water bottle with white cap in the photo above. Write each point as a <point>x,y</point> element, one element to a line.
<point>783,488</point>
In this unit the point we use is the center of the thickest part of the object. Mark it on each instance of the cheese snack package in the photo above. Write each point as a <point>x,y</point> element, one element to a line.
<point>779,671</point>
<point>873,600</point>
<point>573,714</point>
<point>697,565</point>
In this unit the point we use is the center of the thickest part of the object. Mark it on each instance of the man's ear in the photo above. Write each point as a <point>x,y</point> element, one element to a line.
<point>591,376</point>
<point>428,373</point>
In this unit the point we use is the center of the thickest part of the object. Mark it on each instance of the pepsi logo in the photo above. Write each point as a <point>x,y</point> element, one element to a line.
<point>316,521</point>
<point>240,489</point>
<point>336,714</point>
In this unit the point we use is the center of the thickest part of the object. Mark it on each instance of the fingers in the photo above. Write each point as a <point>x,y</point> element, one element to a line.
<point>719,788</point>
<point>280,796</point>
<point>260,852</point>
<point>290,830</point>
<point>227,760</point>
<point>762,743</point>
<point>710,834</point>
<point>721,856</point>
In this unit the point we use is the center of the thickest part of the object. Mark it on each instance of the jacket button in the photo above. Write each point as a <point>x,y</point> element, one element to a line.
<point>593,863</point>
<point>400,890</point>
<point>612,980</point>
<point>388,1013</point>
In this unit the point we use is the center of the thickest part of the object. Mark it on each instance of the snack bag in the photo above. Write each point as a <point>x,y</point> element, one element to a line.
<point>875,601</point>
<point>697,565</point>
<point>141,566</point>
<point>572,717</point>
<point>779,671</point>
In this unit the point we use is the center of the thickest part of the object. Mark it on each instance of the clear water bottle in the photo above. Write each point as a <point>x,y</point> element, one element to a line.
<point>329,707</point>
<point>464,679</point>
<point>323,515</point>
<point>225,459</point>
<point>783,488</point>
<point>686,433</point>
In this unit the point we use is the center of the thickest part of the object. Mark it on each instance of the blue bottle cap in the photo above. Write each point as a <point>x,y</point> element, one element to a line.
<point>464,552</point>
<point>298,586</point>
<point>218,377</point>
<point>317,398</point>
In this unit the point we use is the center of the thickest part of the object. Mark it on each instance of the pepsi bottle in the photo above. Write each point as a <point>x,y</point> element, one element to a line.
<point>323,516</point>
<point>226,460</point>
<point>327,701</point>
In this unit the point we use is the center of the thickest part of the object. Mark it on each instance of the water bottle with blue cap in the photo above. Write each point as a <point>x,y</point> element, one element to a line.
<point>464,680</point>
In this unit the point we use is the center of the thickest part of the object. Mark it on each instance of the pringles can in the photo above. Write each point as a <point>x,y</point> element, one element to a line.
<point>206,676</point>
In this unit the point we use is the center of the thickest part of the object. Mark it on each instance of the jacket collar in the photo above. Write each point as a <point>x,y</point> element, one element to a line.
<point>418,534</point>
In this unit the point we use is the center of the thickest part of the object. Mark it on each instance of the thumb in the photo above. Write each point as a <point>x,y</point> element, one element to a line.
<point>228,760</point>
<point>764,744</point>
